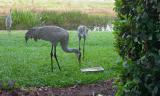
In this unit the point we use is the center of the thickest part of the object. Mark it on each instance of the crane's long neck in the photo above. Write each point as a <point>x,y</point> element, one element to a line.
<point>69,50</point>
<point>64,45</point>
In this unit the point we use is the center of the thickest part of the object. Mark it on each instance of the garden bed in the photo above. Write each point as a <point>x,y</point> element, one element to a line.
<point>103,88</point>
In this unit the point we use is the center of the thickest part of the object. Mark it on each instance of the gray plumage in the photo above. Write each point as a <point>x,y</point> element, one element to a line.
<point>55,35</point>
<point>8,21</point>
<point>82,33</point>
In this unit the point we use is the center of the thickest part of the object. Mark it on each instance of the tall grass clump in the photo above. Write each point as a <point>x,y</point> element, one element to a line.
<point>74,19</point>
<point>2,22</point>
<point>68,20</point>
<point>25,19</point>
<point>52,18</point>
<point>71,20</point>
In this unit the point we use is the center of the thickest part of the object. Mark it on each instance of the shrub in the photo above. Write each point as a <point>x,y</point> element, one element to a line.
<point>137,33</point>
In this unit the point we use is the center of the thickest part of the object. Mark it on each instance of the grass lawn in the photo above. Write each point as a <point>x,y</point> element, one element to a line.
<point>29,65</point>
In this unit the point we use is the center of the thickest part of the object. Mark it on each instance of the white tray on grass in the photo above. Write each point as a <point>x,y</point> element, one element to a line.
<point>92,69</point>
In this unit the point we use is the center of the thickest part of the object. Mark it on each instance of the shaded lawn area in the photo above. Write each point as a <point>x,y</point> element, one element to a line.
<point>29,65</point>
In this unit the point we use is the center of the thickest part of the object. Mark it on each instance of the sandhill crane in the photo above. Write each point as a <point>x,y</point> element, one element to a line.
<point>54,34</point>
<point>82,33</point>
<point>8,21</point>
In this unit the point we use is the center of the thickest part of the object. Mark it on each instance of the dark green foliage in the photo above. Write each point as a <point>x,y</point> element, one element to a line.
<point>137,33</point>
<point>67,20</point>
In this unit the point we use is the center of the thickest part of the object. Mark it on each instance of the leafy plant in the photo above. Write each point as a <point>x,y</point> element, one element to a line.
<point>137,33</point>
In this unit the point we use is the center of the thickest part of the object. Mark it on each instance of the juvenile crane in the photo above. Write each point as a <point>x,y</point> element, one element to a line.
<point>54,35</point>
<point>82,33</point>
<point>8,21</point>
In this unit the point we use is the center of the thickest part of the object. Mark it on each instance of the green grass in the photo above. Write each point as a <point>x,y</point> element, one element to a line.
<point>23,20</point>
<point>29,64</point>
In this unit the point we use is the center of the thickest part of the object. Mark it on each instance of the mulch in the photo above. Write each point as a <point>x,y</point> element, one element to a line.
<point>99,89</point>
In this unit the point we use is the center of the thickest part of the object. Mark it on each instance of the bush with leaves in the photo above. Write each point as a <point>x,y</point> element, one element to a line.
<point>137,33</point>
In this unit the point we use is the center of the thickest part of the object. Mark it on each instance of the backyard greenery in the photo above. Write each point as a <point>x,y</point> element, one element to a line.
<point>137,32</point>
<point>68,20</point>
<point>29,64</point>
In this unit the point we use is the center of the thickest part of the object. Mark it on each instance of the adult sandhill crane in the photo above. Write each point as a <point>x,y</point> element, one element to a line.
<point>8,21</point>
<point>82,33</point>
<point>53,34</point>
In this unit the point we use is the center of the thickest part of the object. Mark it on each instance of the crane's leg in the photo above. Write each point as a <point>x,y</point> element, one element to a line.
<point>79,58</point>
<point>84,47</point>
<point>55,56</point>
<point>51,58</point>
<point>79,43</point>
<point>9,29</point>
